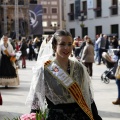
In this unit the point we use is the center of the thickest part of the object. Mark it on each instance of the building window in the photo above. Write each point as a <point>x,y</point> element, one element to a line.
<point>33,1</point>
<point>98,30</point>
<point>44,24</point>
<point>114,7</point>
<point>114,2</point>
<point>21,2</point>
<point>84,31</point>
<point>45,10</point>
<point>72,31</point>
<point>84,7</point>
<point>71,13</point>
<point>98,8</point>
<point>54,10</point>
<point>114,29</point>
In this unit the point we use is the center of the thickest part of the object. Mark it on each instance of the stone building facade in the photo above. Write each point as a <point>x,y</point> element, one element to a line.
<point>52,16</point>
<point>91,17</point>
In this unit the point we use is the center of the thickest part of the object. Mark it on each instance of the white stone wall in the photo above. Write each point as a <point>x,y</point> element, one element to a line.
<point>105,21</point>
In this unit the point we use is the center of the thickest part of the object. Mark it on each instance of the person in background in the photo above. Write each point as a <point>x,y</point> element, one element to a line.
<point>82,45</point>
<point>96,49</point>
<point>24,53</point>
<point>12,42</point>
<point>8,72</point>
<point>37,44</point>
<point>49,83</point>
<point>115,42</point>
<point>88,56</point>
<point>17,47</point>
<point>76,46</point>
<point>101,41</point>
<point>31,50</point>
<point>117,101</point>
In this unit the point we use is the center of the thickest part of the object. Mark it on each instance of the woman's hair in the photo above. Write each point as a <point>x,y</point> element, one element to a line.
<point>90,41</point>
<point>57,36</point>
<point>23,40</point>
<point>6,35</point>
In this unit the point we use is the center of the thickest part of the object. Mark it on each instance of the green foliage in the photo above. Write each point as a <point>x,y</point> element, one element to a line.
<point>82,25</point>
<point>41,116</point>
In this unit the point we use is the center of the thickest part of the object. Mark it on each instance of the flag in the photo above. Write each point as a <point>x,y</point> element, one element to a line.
<point>35,14</point>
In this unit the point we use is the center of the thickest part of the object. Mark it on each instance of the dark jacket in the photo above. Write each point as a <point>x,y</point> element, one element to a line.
<point>23,49</point>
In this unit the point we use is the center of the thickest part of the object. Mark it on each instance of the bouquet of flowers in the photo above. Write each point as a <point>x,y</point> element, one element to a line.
<point>34,116</point>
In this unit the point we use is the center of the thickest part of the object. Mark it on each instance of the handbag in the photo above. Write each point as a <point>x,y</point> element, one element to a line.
<point>117,73</point>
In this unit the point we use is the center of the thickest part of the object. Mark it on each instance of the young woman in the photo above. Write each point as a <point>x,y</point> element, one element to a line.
<point>62,82</point>
<point>8,73</point>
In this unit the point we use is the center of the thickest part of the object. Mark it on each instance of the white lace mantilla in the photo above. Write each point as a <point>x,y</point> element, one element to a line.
<point>43,84</point>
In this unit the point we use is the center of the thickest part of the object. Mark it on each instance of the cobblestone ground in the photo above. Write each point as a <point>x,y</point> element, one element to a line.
<point>14,97</point>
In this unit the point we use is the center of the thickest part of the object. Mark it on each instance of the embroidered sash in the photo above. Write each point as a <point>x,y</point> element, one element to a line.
<point>12,58</point>
<point>69,84</point>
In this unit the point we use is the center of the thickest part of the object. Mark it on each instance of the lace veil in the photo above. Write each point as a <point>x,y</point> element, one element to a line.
<point>45,53</point>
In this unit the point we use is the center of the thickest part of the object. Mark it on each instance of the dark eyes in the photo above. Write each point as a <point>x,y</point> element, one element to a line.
<point>63,44</point>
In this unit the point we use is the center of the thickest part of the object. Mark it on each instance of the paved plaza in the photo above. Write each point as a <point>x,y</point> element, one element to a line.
<point>14,97</point>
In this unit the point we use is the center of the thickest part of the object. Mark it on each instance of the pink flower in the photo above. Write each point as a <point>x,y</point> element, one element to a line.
<point>31,116</point>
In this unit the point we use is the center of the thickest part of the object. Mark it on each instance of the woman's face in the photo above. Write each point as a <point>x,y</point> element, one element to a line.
<point>5,39</point>
<point>88,40</point>
<point>64,47</point>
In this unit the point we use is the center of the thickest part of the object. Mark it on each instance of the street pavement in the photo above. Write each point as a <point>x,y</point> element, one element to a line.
<point>14,97</point>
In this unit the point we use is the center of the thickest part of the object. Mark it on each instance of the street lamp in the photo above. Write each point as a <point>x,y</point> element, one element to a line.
<point>82,18</point>
<point>54,26</point>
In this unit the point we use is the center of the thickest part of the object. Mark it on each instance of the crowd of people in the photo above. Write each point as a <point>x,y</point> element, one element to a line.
<point>90,52</point>
<point>64,68</point>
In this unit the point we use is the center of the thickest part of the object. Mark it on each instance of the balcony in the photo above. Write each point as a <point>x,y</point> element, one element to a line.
<point>70,13</point>
<point>114,9</point>
<point>71,16</point>
<point>84,12</point>
<point>97,9</point>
